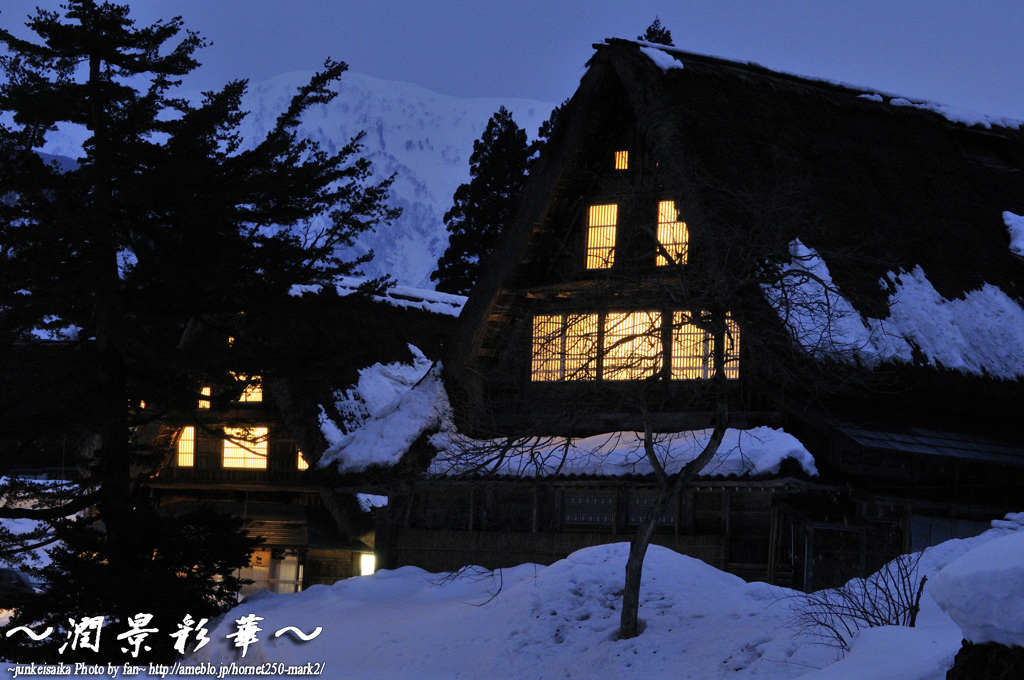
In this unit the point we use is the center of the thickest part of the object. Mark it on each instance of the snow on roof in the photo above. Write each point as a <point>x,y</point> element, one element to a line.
<point>823,321</point>
<point>1015,225</point>
<point>956,114</point>
<point>980,334</point>
<point>387,410</point>
<point>760,450</point>
<point>392,405</point>
<point>660,57</point>
<point>398,296</point>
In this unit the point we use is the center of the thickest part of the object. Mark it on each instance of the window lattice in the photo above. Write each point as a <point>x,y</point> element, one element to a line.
<point>672,234</point>
<point>187,447</point>
<point>565,347</point>
<point>548,347</point>
<point>245,448</point>
<point>588,509</point>
<point>601,221</point>
<point>693,355</point>
<point>622,160</point>
<point>632,345</point>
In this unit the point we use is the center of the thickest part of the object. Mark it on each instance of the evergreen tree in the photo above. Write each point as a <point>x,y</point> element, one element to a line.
<point>165,220</point>
<point>656,33</point>
<point>485,206</point>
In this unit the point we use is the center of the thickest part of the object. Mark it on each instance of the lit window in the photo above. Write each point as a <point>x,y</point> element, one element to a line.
<point>621,160</point>
<point>301,463</point>
<point>671,233</point>
<point>548,347</point>
<point>245,448</point>
<point>204,403</point>
<point>367,564</point>
<point>252,392</point>
<point>601,221</point>
<point>693,350</point>
<point>732,348</point>
<point>187,447</point>
<point>564,347</point>
<point>632,345</point>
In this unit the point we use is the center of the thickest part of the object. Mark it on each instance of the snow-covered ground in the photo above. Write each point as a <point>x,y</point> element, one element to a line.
<point>560,621</point>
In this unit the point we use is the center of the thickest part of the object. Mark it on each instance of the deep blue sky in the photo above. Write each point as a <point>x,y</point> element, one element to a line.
<point>969,52</point>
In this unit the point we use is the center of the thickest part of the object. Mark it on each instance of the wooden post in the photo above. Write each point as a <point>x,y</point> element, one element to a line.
<point>535,520</point>
<point>773,539</point>
<point>727,523</point>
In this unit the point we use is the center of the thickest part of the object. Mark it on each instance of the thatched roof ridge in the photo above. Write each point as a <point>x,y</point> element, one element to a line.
<point>896,185</point>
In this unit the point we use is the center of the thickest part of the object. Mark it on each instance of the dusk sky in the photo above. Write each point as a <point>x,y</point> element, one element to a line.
<point>966,53</point>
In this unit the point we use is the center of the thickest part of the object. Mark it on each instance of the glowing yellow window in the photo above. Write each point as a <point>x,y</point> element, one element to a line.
<point>691,349</point>
<point>187,447</point>
<point>601,221</point>
<point>693,356</point>
<point>632,345</point>
<point>732,348</point>
<point>672,233</point>
<point>204,403</point>
<point>245,448</point>
<point>301,463</point>
<point>252,392</point>
<point>564,347</point>
<point>622,160</point>
<point>581,346</point>
<point>548,347</point>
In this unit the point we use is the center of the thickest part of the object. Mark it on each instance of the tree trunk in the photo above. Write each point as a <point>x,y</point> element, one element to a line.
<point>629,626</point>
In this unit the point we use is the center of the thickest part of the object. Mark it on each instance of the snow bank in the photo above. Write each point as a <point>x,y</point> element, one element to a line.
<point>531,622</point>
<point>980,334</point>
<point>983,591</point>
<point>755,451</point>
<point>387,410</point>
<point>1015,225</point>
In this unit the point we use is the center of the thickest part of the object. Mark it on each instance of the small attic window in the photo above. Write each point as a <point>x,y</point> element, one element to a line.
<point>601,221</point>
<point>622,160</point>
<point>253,391</point>
<point>204,391</point>
<point>672,234</point>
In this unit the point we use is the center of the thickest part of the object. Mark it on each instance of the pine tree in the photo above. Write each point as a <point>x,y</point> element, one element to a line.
<point>485,206</point>
<point>166,219</point>
<point>656,33</point>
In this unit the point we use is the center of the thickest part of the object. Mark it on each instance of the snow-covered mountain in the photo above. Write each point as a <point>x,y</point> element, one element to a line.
<point>422,137</point>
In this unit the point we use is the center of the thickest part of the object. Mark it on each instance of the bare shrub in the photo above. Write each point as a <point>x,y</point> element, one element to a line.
<point>889,597</point>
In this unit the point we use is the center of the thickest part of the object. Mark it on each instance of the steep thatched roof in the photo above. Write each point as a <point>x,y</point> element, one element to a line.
<point>873,183</point>
<point>901,186</point>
